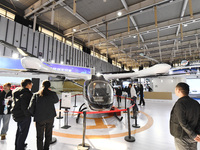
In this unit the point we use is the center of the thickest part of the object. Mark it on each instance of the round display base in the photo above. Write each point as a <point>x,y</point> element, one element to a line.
<point>129,139</point>
<point>81,147</point>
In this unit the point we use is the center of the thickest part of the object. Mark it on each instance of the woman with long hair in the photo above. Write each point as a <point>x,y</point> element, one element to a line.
<point>43,110</point>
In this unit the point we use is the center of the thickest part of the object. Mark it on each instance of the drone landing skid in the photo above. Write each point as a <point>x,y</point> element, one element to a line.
<point>120,119</point>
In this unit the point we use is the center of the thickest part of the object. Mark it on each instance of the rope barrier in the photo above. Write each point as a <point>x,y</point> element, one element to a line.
<point>102,112</point>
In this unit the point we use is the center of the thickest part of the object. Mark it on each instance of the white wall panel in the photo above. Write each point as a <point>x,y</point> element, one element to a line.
<point>81,58</point>
<point>24,37</point>
<point>41,45</point>
<point>36,44</point>
<point>50,49</point>
<point>30,41</point>
<point>17,38</point>
<point>54,49</point>
<point>58,52</point>
<point>68,54</point>
<point>65,53</point>
<point>62,52</point>
<point>75,56</point>
<point>46,55</point>
<point>3,29</point>
<point>9,38</point>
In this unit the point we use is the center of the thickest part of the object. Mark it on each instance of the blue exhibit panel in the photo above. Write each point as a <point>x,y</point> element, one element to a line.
<point>183,71</point>
<point>69,68</point>
<point>10,63</point>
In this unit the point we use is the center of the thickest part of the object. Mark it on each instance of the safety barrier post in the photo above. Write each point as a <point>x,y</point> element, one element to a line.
<point>135,125</point>
<point>75,102</point>
<point>129,138</point>
<point>53,139</point>
<point>84,146</point>
<point>59,117</point>
<point>125,104</point>
<point>66,126</point>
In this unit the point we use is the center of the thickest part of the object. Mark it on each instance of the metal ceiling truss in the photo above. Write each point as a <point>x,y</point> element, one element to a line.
<point>150,29</point>
<point>163,39</point>
<point>136,8</point>
<point>167,46</point>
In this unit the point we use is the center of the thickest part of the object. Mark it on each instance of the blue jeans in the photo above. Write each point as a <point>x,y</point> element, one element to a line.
<point>6,120</point>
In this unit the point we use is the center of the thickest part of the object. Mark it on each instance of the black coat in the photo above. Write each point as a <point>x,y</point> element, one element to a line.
<point>21,100</point>
<point>3,95</point>
<point>118,92</point>
<point>42,107</point>
<point>185,118</point>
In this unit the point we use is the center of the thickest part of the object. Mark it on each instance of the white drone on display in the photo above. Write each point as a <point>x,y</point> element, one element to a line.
<point>97,91</point>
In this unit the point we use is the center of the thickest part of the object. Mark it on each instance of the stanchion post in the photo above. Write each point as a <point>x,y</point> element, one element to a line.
<point>125,105</point>
<point>53,139</point>
<point>66,126</point>
<point>135,125</point>
<point>59,116</point>
<point>84,146</point>
<point>129,138</point>
<point>75,102</point>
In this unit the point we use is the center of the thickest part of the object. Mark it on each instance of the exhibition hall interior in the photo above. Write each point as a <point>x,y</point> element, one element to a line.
<point>114,65</point>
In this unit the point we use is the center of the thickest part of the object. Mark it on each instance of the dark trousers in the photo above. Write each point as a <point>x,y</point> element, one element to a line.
<point>41,127</point>
<point>118,100</point>
<point>135,107</point>
<point>142,100</point>
<point>22,132</point>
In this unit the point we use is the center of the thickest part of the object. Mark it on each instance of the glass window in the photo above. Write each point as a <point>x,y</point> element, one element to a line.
<point>119,65</point>
<point>10,15</point>
<point>81,47</point>
<point>100,92</point>
<point>2,12</point>
<point>47,32</point>
<point>58,37</point>
<point>68,43</point>
<point>63,40</point>
<point>40,29</point>
<point>76,46</point>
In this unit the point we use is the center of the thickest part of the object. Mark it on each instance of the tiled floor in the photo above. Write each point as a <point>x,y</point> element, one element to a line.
<point>153,134</point>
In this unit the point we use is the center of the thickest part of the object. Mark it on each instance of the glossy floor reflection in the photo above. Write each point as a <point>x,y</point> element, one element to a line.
<point>105,132</point>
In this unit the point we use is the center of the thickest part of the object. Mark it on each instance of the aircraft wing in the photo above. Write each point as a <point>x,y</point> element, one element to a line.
<point>157,69</point>
<point>30,63</point>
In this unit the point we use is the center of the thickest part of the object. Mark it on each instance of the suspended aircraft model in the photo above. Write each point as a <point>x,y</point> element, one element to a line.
<point>97,91</point>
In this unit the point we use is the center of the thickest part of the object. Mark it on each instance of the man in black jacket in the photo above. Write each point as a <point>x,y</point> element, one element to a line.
<point>185,119</point>
<point>21,115</point>
<point>119,94</point>
<point>5,106</point>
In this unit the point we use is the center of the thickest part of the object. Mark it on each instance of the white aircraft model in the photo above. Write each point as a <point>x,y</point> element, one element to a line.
<point>97,91</point>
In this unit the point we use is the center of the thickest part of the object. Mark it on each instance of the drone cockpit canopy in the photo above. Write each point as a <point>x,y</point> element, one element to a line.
<point>99,94</point>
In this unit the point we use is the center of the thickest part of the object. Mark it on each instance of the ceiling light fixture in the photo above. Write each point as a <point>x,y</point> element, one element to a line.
<point>185,25</point>
<point>119,13</point>
<point>15,55</point>
<point>74,30</point>
<point>134,36</point>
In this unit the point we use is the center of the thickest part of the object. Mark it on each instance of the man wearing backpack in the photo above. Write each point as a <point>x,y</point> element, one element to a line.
<point>21,100</point>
